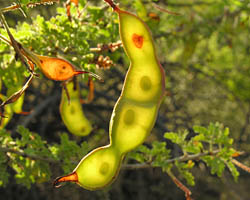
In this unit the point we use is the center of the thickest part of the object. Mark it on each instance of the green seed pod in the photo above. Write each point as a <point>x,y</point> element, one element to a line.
<point>72,113</point>
<point>135,112</point>
<point>95,170</point>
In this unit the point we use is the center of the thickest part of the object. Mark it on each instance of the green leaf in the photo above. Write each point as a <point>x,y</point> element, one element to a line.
<point>25,1</point>
<point>233,170</point>
<point>200,129</point>
<point>183,169</point>
<point>193,147</point>
<point>4,175</point>
<point>188,177</point>
<point>137,156</point>
<point>158,148</point>
<point>216,163</point>
<point>217,166</point>
<point>174,137</point>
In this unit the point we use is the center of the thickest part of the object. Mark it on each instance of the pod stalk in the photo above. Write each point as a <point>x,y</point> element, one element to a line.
<point>113,5</point>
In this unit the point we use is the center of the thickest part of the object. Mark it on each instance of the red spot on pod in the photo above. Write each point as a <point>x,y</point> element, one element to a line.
<point>138,40</point>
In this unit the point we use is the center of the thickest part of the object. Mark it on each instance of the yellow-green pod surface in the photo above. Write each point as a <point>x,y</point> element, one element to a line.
<point>131,122</point>
<point>72,113</point>
<point>136,110</point>
<point>145,79</point>
<point>98,168</point>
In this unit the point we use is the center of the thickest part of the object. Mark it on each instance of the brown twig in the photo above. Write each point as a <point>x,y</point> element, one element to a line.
<point>240,165</point>
<point>180,185</point>
<point>68,6</point>
<point>29,5</point>
<point>112,5</point>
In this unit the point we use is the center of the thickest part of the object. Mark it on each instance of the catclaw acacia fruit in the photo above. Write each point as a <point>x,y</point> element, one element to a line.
<point>57,69</point>
<point>54,68</point>
<point>135,112</point>
<point>72,113</point>
<point>97,169</point>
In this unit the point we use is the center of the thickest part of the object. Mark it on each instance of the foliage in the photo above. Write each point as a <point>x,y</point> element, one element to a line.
<point>211,145</point>
<point>205,52</point>
<point>30,156</point>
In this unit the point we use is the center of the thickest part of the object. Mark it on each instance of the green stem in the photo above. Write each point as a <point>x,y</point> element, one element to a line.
<point>4,39</point>
<point>29,5</point>
<point>179,159</point>
<point>14,43</point>
<point>126,166</point>
<point>6,26</point>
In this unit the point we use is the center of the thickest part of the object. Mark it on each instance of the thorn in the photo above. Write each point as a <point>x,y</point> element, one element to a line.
<point>96,76</point>
<point>90,73</point>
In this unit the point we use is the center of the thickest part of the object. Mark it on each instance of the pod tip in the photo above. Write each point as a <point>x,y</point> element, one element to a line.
<point>81,72</point>
<point>68,178</point>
